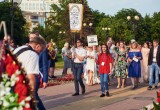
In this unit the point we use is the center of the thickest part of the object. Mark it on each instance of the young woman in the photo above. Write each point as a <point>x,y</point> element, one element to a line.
<point>90,65</point>
<point>144,63</point>
<point>134,68</point>
<point>105,66</point>
<point>121,64</point>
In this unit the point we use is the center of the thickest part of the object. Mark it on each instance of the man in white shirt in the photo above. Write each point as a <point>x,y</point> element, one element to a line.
<point>154,64</point>
<point>43,67</point>
<point>78,56</point>
<point>29,59</point>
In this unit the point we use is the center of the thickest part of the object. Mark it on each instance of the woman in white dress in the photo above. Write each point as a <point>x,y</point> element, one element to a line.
<point>90,66</point>
<point>144,63</point>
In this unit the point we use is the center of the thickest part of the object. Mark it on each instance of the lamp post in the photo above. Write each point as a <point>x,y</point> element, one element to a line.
<point>106,29</point>
<point>134,23</point>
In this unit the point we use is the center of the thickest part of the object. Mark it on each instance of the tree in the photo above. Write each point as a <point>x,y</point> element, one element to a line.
<point>59,21</point>
<point>155,24</point>
<point>105,22</point>
<point>19,21</point>
<point>129,27</point>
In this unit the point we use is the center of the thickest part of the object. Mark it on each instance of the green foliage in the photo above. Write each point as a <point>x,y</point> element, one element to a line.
<point>144,108</point>
<point>147,28</point>
<point>19,21</point>
<point>155,24</point>
<point>156,106</point>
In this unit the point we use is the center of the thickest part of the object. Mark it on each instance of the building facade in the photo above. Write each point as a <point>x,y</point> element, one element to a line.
<point>37,5</point>
<point>36,11</point>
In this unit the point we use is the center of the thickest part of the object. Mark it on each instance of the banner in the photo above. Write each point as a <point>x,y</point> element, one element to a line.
<point>75,16</point>
<point>92,40</point>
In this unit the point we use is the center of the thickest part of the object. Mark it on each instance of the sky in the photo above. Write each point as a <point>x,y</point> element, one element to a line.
<point>111,7</point>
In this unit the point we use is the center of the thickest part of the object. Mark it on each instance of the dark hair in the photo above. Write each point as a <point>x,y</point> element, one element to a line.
<point>79,40</point>
<point>107,50</point>
<point>146,43</point>
<point>38,40</point>
<point>121,42</point>
<point>156,40</point>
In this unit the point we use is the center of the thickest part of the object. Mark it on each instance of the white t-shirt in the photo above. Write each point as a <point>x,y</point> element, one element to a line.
<point>155,54</point>
<point>81,52</point>
<point>29,60</point>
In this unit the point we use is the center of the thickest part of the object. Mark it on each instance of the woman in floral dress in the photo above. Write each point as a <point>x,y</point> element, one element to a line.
<point>121,65</point>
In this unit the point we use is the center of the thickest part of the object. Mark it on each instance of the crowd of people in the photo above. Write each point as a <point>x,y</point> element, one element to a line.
<point>140,63</point>
<point>96,64</point>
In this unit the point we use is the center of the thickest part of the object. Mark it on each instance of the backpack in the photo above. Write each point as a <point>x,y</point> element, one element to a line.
<point>23,50</point>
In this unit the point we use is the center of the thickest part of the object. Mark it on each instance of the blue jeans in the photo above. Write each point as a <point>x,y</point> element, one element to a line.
<point>39,104</point>
<point>104,82</point>
<point>78,69</point>
<point>153,67</point>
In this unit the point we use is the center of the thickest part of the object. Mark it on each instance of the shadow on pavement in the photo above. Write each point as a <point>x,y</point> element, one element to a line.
<point>51,102</point>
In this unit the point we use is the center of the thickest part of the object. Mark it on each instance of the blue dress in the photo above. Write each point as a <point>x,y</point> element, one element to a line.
<point>134,68</point>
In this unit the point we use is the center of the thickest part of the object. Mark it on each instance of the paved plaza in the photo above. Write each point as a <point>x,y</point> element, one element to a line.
<point>60,97</point>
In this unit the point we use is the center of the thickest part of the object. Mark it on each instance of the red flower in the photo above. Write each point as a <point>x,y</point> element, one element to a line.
<point>21,98</point>
<point>21,89</point>
<point>8,59</point>
<point>27,109</point>
<point>11,68</point>
<point>158,100</point>
<point>20,78</point>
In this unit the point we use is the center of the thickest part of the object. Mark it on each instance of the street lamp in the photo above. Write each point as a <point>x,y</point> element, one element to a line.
<point>134,23</point>
<point>84,24</point>
<point>89,25</point>
<point>106,29</point>
<point>62,32</point>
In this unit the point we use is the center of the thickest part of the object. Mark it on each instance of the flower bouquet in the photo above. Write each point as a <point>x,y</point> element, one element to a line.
<point>155,105</point>
<point>15,92</point>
